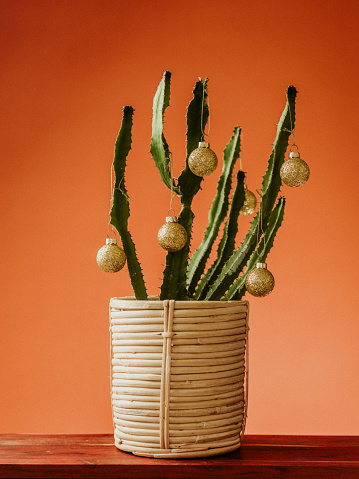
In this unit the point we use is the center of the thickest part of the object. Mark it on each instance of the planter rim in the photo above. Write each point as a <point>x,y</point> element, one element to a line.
<point>189,301</point>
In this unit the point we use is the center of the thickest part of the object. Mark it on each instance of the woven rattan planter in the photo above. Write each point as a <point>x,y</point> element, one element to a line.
<point>178,376</point>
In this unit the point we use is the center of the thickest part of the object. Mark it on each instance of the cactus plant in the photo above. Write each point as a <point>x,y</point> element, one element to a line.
<point>120,210</point>
<point>188,276</point>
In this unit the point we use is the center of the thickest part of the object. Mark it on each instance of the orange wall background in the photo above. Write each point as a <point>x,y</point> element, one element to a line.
<point>67,69</point>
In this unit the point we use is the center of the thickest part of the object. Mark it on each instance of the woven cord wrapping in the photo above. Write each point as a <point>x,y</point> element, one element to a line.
<point>168,307</point>
<point>111,370</point>
<point>246,377</point>
<point>164,365</point>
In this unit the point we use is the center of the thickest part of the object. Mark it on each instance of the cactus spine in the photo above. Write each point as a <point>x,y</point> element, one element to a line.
<point>186,277</point>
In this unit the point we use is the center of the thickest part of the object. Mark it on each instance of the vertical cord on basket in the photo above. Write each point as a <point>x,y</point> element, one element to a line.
<point>111,371</point>
<point>163,375</point>
<point>168,372</point>
<point>168,307</point>
<point>246,372</point>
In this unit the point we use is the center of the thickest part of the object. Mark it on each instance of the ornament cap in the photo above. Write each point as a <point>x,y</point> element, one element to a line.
<point>111,241</point>
<point>203,144</point>
<point>171,219</point>
<point>294,154</point>
<point>261,265</point>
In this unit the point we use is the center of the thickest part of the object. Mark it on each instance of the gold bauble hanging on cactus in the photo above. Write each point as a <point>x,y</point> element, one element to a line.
<point>202,161</point>
<point>250,203</point>
<point>294,171</point>
<point>172,236</point>
<point>111,258</point>
<point>259,282</point>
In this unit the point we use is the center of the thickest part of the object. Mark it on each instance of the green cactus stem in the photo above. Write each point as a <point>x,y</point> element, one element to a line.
<point>174,284</point>
<point>185,279</point>
<point>270,189</point>
<point>120,210</point>
<point>217,213</point>
<point>227,243</point>
<point>159,147</point>
<point>271,181</point>
<point>189,183</point>
<point>174,275</point>
<point>238,289</point>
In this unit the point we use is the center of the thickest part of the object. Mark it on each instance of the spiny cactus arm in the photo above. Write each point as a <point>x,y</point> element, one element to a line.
<point>189,183</point>
<point>230,273</point>
<point>234,265</point>
<point>217,213</point>
<point>227,243</point>
<point>271,180</point>
<point>159,147</point>
<point>174,284</point>
<point>238,288</point>
<point>120,210</point>
<point>270,189</point>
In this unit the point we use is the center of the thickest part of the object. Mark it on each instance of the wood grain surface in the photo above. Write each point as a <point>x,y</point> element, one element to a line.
<point>259,457</point>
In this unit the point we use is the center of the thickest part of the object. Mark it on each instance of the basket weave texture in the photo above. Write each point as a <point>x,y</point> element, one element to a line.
<point>178,376</point>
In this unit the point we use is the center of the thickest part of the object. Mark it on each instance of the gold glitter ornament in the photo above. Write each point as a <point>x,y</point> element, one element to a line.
<point>250,203</point>
<point>259,282</point>
<point>202,161</point>
<point>294,171</point>
<point>111,258</point>
<point>172,236</point>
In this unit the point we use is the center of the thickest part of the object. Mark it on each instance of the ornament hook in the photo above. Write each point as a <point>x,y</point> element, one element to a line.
<point>171,212</point>
<point>292,146</point>
<point>111,230</point>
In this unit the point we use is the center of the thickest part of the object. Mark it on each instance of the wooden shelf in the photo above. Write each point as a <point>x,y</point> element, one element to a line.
<point>260,457</point>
